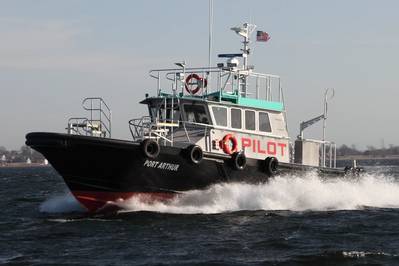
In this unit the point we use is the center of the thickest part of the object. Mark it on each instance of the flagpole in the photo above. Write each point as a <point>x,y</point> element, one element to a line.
<point>210,34</point>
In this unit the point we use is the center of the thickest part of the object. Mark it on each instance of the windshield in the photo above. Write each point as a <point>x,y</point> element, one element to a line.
<point>161,114</point>
<point>196,114</point>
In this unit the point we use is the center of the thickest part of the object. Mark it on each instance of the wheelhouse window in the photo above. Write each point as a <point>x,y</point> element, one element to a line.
<point>196,114</point>
<point>249,120</point>
<point>159,112</point>
<point>220,114</point>
<point>264,122</point>
<point>236,118</point>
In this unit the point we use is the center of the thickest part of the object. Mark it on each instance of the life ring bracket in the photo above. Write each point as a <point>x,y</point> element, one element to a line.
<point>200,82</point>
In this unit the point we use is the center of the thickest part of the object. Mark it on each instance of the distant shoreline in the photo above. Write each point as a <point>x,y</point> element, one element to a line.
<point>367,157</point>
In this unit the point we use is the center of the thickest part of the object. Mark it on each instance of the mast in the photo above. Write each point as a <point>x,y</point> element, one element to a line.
<point>245,31</point>
<point>210,33</point>
<point>210,40</point>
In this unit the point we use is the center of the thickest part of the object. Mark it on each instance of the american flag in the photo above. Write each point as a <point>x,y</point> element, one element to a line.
<point>262,36</point>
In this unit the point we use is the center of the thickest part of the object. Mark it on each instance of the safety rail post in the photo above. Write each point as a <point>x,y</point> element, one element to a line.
<point>110,123</point>
<point>335,155</point>
<point>269,89</point>
<point>97,104</point>
<point>100,110</point>
<point>159,83</point>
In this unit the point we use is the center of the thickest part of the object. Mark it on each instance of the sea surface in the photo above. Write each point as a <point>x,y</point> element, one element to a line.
<point>291,220</point>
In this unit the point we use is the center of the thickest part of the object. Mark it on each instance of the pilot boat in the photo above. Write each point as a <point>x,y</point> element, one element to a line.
<point>204,126</point>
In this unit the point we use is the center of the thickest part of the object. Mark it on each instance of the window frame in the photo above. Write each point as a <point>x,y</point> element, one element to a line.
<point>195,104</point>
<point>230,120</point>
<point>270,124</point>
<point>214,118</point>
<point>245,120</point>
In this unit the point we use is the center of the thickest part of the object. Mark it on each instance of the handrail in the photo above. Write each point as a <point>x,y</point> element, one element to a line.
<point>326,160</point>
<point>95,98</point>
<point>99,122</point>
<point>144,127</point>
<point>101,112</point>
<point>225,79</point>
<point>180,69</point>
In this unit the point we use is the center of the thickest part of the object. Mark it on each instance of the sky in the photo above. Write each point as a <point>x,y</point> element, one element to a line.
<point>55,53</point>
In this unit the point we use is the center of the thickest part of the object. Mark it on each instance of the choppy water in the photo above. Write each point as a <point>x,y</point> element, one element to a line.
<point>296,220</point>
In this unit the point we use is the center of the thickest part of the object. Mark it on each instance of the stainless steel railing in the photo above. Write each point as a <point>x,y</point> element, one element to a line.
<point>97,124</point>
<point>231,80</point>
<point>168,130</point>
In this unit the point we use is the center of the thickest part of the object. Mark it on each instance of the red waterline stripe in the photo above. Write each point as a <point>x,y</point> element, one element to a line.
<point>96,200</point>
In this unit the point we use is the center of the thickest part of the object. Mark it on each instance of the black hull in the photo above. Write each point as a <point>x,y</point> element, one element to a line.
<point>98,170</point>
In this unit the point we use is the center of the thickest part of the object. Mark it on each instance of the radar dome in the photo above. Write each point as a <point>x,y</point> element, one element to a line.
<point>233,62</point>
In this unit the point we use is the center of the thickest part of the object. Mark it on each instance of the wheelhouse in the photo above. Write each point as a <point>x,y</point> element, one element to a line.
<point>224,110</point>
<point>180,120</point>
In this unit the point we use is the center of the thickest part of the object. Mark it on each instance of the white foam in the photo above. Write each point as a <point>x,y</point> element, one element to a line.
<point>63,203</point>
<point>361,254</point>
<point>296,193</point>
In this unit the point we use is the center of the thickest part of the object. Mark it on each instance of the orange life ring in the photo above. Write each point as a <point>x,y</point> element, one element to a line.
<point>225,144</point>
<point>198,82</point>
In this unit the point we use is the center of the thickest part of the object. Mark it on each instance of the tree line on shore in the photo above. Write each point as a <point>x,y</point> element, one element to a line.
<point>24,154</point>
<point>345,150</point>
